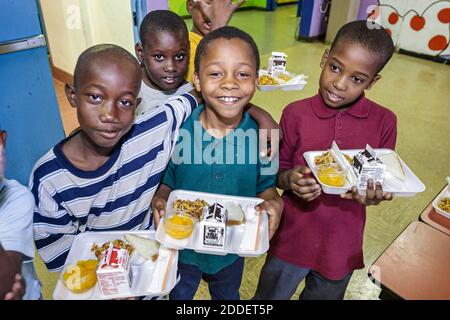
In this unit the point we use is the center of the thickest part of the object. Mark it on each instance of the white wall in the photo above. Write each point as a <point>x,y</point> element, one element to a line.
<point>74,25</point>
<point>65,36</point>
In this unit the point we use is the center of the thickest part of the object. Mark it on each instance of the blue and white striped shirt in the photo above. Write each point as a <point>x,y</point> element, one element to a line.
<point>116,196</point>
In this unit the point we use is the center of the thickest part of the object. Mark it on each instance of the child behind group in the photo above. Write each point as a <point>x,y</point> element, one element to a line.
<point>207,15</point>
<point>164,56</point>
<point>226,68</point>
<point>320,236</point>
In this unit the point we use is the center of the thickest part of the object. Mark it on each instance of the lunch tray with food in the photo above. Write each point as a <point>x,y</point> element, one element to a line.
<point>335,171</point>
<point>116,265</point>
<point>442,202</point>
<point>214,224</point>
<point>284,81</point>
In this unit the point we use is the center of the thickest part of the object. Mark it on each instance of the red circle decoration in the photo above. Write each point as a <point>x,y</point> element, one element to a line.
<point>444,15</point>
<point>417,23</point>
<point>388,31</point>
<point>438,43</point>
<point>393,18</point>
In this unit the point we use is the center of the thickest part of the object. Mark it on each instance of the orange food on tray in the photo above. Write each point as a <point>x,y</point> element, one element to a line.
<point>81,277</point>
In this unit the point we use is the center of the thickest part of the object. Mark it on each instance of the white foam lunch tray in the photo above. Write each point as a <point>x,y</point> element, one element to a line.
<point>234,233</point>
<point>143,270</point>
<point>410,187</point>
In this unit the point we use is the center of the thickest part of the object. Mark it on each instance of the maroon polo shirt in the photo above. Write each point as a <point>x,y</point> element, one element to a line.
<point>326,234</point>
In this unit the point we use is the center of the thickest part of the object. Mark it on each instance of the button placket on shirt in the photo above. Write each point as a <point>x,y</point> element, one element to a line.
<point>338,128</point>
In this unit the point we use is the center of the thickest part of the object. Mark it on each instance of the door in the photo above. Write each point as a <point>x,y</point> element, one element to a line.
<point>28,108</point>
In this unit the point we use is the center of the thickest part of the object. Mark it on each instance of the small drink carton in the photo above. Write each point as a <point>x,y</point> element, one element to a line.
<point>113,274</point>
<point>277,63</point>
<point>366,165</point>
<point>213,227</point>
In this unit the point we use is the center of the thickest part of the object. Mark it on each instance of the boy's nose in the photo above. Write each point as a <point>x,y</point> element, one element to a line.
<point>339,84</point>
<point>109,113</point>
<point>169,66</point>
<point>229,83</point>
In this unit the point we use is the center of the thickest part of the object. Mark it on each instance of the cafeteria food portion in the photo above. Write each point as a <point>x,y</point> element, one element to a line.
<point>393,165</point>
<point>99,250</point>
<point>235,214</point>
<point>332,174</point>
<point>266,80</point>
<point>192,208</point>
<point>147,248</point>
<point>80,277</point>
<point>179,225</point>
<point>327,158</point>
<point>444,204</point>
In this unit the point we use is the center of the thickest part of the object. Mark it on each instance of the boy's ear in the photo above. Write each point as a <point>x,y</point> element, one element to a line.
<point>196,81</point>
<point>139,51</point>
<point>70,94</point>
<point>374,80</point>
<point>325,56</point>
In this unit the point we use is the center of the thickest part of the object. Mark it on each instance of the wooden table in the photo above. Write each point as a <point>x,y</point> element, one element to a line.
<point>416,265</point>
<point>434,219</point>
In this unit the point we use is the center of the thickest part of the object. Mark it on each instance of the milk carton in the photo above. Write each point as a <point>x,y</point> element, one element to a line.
<point>366,165</point>
<point>277,63</point>
<point>213,227</point>
<point>113,274</point>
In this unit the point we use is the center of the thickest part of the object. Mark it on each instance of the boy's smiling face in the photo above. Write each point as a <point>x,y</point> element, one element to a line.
<point>106,98</point>
<point>165,56</point>
<point>227,77</point>
<point>347,70</point>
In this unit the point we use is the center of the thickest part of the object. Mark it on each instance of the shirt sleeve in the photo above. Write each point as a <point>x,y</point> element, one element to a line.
<point>180,107</point>
<point>54,229</point>
<point>16,217</point>
<point>289,141</point>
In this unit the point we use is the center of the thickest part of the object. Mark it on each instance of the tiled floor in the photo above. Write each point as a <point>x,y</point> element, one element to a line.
<point>415,89</point>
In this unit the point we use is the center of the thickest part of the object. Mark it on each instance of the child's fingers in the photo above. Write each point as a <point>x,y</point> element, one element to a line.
<point>239,3</point>
<point>388,196</point>
<point>307,192</point>
<point>378,191</point>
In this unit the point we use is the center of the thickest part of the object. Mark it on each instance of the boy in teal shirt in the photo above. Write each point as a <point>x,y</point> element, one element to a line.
<point>215,154</point>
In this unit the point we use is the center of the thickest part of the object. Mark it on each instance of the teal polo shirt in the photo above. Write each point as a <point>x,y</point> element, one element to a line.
<point>229,166</point>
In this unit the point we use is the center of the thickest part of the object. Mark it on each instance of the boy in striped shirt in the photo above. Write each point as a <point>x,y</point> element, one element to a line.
<point>103,177</point>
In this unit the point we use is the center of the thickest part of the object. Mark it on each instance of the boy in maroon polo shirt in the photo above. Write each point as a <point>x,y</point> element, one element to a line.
<point>320,236</point>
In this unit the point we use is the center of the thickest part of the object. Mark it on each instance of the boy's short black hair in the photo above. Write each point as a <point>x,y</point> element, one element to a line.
<point>102,50</point>
<point>226,32</point>
<point>162,20</point>
<point>369,35</point>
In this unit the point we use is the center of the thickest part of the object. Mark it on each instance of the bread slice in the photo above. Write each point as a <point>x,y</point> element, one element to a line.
<point>235,215</point>
<point>147,248</point>
<point>393,165</point>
